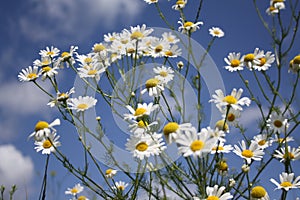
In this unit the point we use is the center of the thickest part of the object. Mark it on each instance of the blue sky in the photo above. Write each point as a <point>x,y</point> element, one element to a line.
<point>34,24</point>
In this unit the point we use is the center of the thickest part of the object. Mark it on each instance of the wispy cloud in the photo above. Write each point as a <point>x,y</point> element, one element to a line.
<point>15,168</point>
<point>75,19</point>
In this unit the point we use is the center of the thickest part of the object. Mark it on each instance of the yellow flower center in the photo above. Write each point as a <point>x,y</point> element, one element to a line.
<point>286,184</point>
<point>222,166</point>
<point>258,192</point>
<point>235,63</point>
<point>197,145</point>
<point>46,69</point>
<point>32,75</point>
<point>130,50</point>
<point>50,53</point>
<point>142,124</point>
<point>121,187</point>
<point>137,35</point>
<point>41,125</point>
<point>142,146</point>
<point>158,48</point>
<point>249,57</point>
<point>180,2</point>
<point>140,111</point>
<point>247,153</point>
<point>289,155</point>
<point>231,117</point>
<point>220,125</point>
<point>74,191</point>
<point>216,32</point>
<point>63,96</point>
<point>277,123</point>
<point>81,198</point>
<point>88,60</point>
<point>82,106</point>
<point>212,198</point>
<point>262,61</point>
<point>171,127</point>
<point>98,48</point>
<point>230,99</point>
<point>297,60</point>
<point>163,73</point>
<point>47,144</point>
<point>169,53</point>
<point>108,171</point>
<point>262,142</point>
<point>219,148</point>
<point>272,8</point>
<point>188,24</point>
<point>92,72</point>
<point>65,54</point>
<point>151,83</point>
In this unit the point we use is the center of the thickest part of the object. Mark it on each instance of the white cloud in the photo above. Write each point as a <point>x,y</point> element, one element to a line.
<point>15,168</point>
<point>75,19</point>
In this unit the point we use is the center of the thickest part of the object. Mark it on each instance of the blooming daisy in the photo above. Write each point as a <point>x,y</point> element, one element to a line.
<point>263,63</point>
<point>47,144</point>
<point>68,57</point>
<point>51,52</point>
<point>262,140</point>
<point>252,59</point>
<point>110,37</point>
<point>278,139</point>
<point>139,32</point>
<point>216,32</point>
<point>141,127</point>
<point>29,74</point>
<point>216,192</point>
<point>85,59</point>
<point>249,154</point>
<point>277,122</point>
<point>193,143</point>
<point>164,74</point>
<point>188,26</point>
<point>145,145</point>
<point>168,36</point>
<point>287,181</point>
<point>172,52</point>
<point>81,103</point>
<point>120,185</point>
<point>141,111</point>
<point>43,129</point>
<point>259,193</point>
<point>45,61</point>
<point>172,129</point>
<point>61,97</point>
<point>74,190</point>
<point>158,47</point>
<point>234,62</point>
<point>221,148</point>
<point>180,4</point>
<point>233,100</point>
<point>109,173</point>
<point>290,154</point>
<point>295,64</point>
<point>91,71</point>
<point>48,72</point>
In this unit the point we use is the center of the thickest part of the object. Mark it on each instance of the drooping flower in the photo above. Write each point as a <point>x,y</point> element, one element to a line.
<point>180,4</point>
<point>109,173</point>
<point>287,181</point>
<point>172,130</point>
<point>81,103</point>
<point>61,97</point>
<point>154,87</point>
<point>295,64</point>
<point>249,154</point>
<point>259,193</point>
<point>43,129</point>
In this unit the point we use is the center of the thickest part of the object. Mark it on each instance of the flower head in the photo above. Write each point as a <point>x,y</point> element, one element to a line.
<point>217,192</point>
<point>142,110</point>
<point>180,4</point>
<point>172,130</point>
<point>216,32</point>
<point>253,59</point>
<point>29,74</point>
<point>81,104</point>
<point>290,154</point>
<point>120,185</point>
<point>43,129</point>
<point>263,63</point>
<point>259,193</point>
<point>109,173</point>
<point>154,86</point>
<point>249,154</point>
<point>234,62</point>
<point>188,26</point>
<point>287,181</point>
<point>75,190</point>
<point>50,52</point>
<point>295,64</point>
<point>164,74</point>
<point>61,97</point>
<point>262,140</point>
<point>47,144</point>
<point>277,122</point>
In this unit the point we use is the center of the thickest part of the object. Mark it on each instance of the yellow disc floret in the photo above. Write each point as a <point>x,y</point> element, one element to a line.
<point>197,145</point>
<point>142,146</point>
<point>258,192</point>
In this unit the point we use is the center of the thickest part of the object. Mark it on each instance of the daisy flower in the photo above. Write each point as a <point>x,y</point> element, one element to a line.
<point>287,181</point>
<point>234,62</point>
<point>295,64</point>
<point>85,59</point>
<point>290,154</point>
<point>168,36</point>
<point>259,193</point>
<point>278,4</point>
<point>188,26</point>
<point>153,86</point>
<point>252,59</point>
<point>272,10</point>
<point>81,103</point>
<point>68,57</point>
<point>139,32</point>
<point>158,47</point>
<point>141,127</point>
<point>221,148</point>
<point>262,140</point>
<point>164,74</point>
<point>172,130</point>
<point>29,74</point>
<point>233,100</point>
<point>110,37</point>
<point>48,72</point>
<point>91,71</point>
<point>45,61</point>
<point>277,122</point>
<point>145,145</point>
<point>120,185</point>
<point>43,129</point>
<point>193,143</point>
<point>74,190</point>
<point>172,52</point>
<point>109,173</point>
<point>61,97</point>
<point>216,32</point>
<point>51,52</point>
<point>216,192</point>
<point>180,4</point>
<point>264,62</point>
<point>141,111</point>
<point>47,144</point>
<point>232,115</point>
<point>249,154</point>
